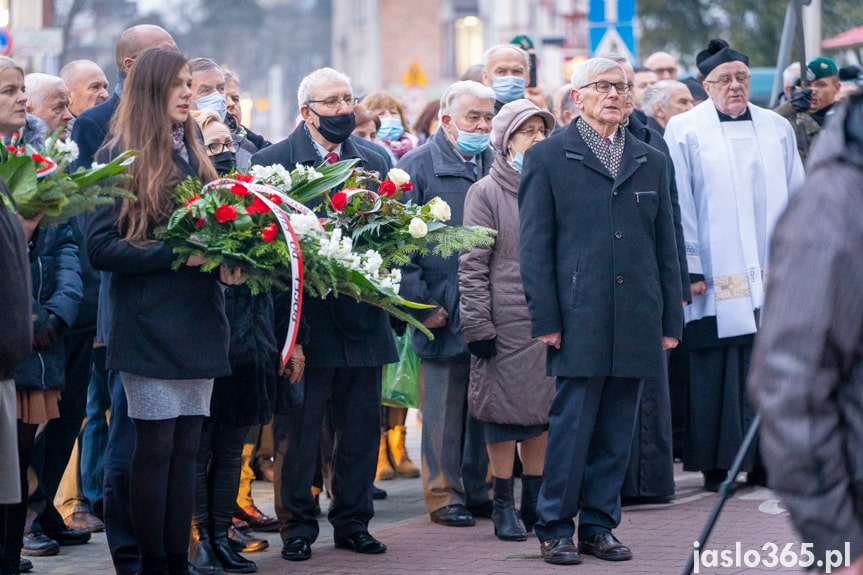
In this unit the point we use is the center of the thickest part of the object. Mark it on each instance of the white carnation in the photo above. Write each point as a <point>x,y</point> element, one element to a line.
<point>372,262</point>
<point>306,224</point>
<point>69,148</point>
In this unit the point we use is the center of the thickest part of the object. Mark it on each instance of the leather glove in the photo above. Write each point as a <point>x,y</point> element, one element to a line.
<point>483,349</point>
<point>296,366</point>
<point>801,100</point>
<point>49,332</point>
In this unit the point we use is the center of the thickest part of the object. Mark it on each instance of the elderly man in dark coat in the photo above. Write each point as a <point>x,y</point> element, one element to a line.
<point>453,452</point>
<point>602,279</point>
<point>348,344</point>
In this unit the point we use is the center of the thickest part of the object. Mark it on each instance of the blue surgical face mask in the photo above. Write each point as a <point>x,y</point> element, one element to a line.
<point>391,129</point>
<point>472,143</point>
<point>509,88</point>
<point>215,102</point>
<point>517,161</point>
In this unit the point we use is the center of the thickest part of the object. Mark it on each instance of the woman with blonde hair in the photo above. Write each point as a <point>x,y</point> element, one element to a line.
<point>168,334</point>
<point>394,132</point>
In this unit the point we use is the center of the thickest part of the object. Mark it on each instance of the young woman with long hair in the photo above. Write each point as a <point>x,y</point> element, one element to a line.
<point>168,334</point>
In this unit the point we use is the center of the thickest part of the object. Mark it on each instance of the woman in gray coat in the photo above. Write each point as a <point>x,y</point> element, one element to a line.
<point>509,390</point>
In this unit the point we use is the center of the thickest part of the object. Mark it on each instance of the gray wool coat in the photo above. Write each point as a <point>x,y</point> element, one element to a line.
<point>599,257</point>
<point>512,387</point>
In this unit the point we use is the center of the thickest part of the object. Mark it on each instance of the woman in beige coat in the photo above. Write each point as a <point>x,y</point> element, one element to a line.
<point>509,390</point>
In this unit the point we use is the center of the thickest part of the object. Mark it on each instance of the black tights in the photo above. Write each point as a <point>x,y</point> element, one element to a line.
<point>13,516</point>
<point>162,484</point>
<point>218,477</point>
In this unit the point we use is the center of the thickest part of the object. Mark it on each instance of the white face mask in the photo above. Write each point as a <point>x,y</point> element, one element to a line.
<point>215,102</point>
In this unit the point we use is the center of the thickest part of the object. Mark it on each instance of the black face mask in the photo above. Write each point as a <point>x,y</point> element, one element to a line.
<point>224,162</point>
<point>336,129</point>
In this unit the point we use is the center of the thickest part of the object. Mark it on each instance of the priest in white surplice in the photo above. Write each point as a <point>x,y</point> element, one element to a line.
<point>736,165</point>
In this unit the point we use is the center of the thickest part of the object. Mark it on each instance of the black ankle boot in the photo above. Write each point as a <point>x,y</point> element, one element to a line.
<point>504,516</point>
<point>201,553</point>
<point>530,485</point>
<point>232,562</point>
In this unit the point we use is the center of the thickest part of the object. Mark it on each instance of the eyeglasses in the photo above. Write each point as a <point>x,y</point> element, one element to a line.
<point>664,70</point>
<point>604,87</point>
<point>533,132</point>
<point>219,147</point>
<point>726,79</point>
<point>334,103</point>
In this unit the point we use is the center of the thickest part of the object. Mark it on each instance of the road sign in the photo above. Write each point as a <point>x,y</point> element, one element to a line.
<point>610,23</point>
<point>5,42</point>
<point>42,41</point>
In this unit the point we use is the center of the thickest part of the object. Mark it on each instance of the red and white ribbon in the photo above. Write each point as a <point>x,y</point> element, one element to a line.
<point>264,192</point>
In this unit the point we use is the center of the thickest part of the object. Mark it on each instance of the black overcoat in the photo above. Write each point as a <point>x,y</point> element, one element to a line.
<point>342,331</point>
<point>163,323</point>
<point>599,257</point>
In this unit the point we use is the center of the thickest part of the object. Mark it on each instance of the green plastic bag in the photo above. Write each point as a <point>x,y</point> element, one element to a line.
<point>400,380</point>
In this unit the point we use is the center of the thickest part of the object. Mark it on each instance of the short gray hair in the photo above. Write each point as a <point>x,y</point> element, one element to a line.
<point>590,68</point>
<point>306,91</point>
<point>658,93</point>
<point>486,57</point>
<point>231,76</point>
<point>617,57</point>
<point>199,65</point>
<point>449,102</point>
<point>36,86</point>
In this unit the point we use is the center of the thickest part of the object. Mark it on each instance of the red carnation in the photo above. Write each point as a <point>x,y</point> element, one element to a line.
<point>269,233</point>
<point>12,149</point>
<point>276,198</point>
<point>201,223</point>
<point>258,207</point>
<point>244,178</point>
<point>192,200</point>
<point>240,190</point>
<point>406,187</point>
<point>339,201</point>
<point>387,188</point>
<point>226,213</point>
<point>37,158</point>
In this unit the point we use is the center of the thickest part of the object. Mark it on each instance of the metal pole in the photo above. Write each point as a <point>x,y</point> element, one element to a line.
<point>784,57</point>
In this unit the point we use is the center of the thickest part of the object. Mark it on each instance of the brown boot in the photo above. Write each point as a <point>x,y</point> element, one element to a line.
<point>385,469</point>
<point>404,467</point>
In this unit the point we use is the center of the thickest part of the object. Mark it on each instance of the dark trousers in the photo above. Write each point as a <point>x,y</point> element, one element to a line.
<point>589,439</point>
<point>116,496</point>
<point>356,396</point>
<point>54,445</point>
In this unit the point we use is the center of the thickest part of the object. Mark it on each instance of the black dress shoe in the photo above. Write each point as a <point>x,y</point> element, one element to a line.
<point>25,565</point>
<point>605,546</point>
<point>452,516</point>
<point>65,535</point>
<point>297,549</point>
<point>39,545</point>
<point>378,493</point>
<point>713,479</point>
<point>560,551</point>
<point>485,509</point>
<point>244,542</point>
<point>361,542</point>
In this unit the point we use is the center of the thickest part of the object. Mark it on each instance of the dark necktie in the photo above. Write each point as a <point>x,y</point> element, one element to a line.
<point>331,158</point>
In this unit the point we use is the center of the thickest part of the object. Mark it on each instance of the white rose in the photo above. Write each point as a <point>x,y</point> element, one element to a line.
<point>418,228</point>
<point>440,210</point>
<point>398,177</point>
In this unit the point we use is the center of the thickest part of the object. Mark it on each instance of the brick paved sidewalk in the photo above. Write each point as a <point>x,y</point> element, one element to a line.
<point>661,538</point>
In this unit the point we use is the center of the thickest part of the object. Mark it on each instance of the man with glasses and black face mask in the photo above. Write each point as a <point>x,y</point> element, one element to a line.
<point>602,279</point>
<point>348,344</point>
<point>736,165</point>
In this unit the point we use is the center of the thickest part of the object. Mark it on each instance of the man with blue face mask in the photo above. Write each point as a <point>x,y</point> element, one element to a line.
<point>507,72</point>
<point>208,86</point>
<point>453,452</point>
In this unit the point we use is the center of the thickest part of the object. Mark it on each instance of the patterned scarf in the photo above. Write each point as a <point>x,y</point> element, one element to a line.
<point>178,141</point>
<point>610,156</point>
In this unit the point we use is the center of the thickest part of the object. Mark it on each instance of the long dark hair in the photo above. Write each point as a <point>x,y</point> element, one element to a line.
<point>142,123</point>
